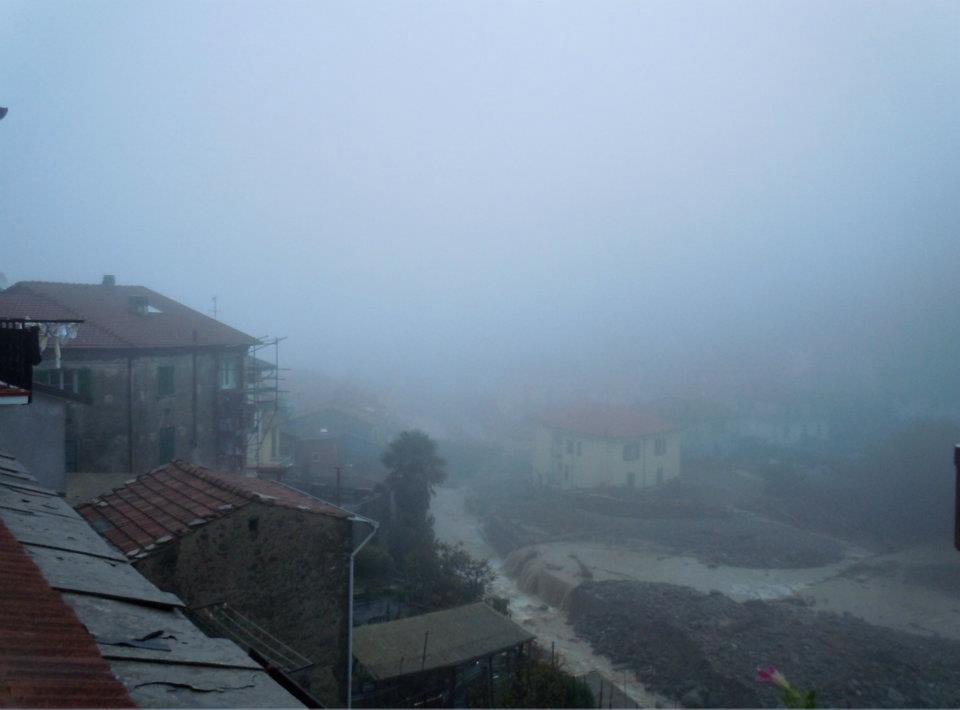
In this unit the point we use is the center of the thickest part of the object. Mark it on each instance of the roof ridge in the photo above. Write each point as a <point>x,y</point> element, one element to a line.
<point>198,471</point>
<point>97,323</point>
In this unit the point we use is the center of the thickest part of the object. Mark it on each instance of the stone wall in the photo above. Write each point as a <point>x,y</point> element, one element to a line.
<point>286,570</point>
<point>206,429</point>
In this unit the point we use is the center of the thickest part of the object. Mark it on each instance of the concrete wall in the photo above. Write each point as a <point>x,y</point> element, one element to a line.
<point>100,431</point>
<point>576,461</point>
<point>34,433</point>
<point>287,570</point>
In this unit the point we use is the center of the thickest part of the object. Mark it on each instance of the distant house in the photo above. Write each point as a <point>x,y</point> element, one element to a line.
<point>80,627</point>
<point>360,438</point>
<point>786,425</point>
<point>604,445</point>
<point>163,380</point>
<point>255,560</point>
<point>708,429</point>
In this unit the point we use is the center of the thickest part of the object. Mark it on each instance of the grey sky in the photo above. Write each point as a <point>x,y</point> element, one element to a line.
<point>614,195</point>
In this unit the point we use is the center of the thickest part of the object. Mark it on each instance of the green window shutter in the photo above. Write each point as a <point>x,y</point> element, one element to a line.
<point>83,382</point>
<point>165,380</point>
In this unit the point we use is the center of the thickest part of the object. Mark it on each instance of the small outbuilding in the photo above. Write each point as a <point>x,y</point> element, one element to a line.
<point>430,660</point>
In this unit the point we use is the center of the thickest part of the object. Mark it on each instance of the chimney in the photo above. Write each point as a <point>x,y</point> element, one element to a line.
<point>109,280</point>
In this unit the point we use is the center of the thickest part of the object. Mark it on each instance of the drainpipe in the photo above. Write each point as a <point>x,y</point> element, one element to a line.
<point>374,525</point>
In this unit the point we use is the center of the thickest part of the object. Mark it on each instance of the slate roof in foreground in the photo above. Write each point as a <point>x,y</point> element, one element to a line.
<point>454,637</point>
<point>47,657</point>
<point>159,656</point>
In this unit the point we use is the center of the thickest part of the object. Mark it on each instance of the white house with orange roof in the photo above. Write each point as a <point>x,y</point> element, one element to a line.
<point>605,446</point>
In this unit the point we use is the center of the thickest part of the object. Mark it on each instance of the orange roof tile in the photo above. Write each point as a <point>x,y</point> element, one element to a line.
<point>170,501</point>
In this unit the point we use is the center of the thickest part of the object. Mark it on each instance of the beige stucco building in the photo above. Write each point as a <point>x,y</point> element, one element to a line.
<point>605,446</point>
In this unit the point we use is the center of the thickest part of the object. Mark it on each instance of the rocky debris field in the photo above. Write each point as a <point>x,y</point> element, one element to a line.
<point>704,649</point>
<point>714,537</point>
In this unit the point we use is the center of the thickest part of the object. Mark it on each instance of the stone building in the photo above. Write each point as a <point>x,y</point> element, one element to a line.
<point>163,380</point>
<point>256,561</point>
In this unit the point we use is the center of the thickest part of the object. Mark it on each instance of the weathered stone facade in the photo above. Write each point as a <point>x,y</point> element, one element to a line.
<point>140,417</point>
<point>286,570</point>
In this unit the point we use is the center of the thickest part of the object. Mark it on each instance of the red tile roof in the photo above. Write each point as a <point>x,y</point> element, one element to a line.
<point>47,657</point>
<point>26,305</point>
<point>170,501</point>
<point>607,422</point>
<point>109,320</point>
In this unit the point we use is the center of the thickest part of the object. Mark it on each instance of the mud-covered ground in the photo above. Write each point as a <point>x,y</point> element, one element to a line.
<point>704,649</point>
<point>713,534</point>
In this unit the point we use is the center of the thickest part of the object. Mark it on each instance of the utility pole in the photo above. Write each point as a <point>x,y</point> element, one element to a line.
<point>214,299</point>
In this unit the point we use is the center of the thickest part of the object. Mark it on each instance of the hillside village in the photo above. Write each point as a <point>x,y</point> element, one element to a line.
<point>159,488</point>
<point>479,354</point>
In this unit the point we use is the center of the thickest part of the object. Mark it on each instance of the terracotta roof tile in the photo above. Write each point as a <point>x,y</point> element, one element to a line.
<point>47,657</point>
<point>172,500</point>
<point>109,321</point>
<point>607,422</point>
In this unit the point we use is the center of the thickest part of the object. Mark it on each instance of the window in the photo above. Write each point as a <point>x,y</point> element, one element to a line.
<point>229,373</point>
<point>631,452</point>
<point>75,381</point>
<point>166,444</point>
<point>569,446</point>
<point>659,446</point>
<point>164,380</point>
<point>579,449</point>
<point>631,479</point>
<point>659,476</point>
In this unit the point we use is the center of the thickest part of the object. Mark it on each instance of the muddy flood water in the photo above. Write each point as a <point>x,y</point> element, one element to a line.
<point>880,589</point>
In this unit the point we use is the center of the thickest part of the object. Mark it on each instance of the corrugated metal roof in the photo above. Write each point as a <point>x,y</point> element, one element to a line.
<point>606,422</point>
<point>170,501</point>
<point>109,320</point>
<point>137,630</point>
<point>453,637</point>
<point>47,657</point>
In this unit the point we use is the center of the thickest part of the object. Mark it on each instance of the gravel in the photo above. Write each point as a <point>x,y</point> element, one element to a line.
<point>703,649</point>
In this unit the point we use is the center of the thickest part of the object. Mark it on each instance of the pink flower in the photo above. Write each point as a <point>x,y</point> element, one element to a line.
<point>772,675</point>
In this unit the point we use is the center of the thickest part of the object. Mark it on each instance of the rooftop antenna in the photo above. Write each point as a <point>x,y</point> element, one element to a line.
<point>214,299</point>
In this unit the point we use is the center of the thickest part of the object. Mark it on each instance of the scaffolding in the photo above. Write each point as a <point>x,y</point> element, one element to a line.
<point>263,395</point>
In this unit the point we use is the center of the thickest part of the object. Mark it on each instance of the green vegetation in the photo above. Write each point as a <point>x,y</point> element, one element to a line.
<point>537,683</point>
<point>424,573</point>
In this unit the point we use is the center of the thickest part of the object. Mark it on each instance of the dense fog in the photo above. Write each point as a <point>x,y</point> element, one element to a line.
<point>509,200</point>
<point>635,320</point>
